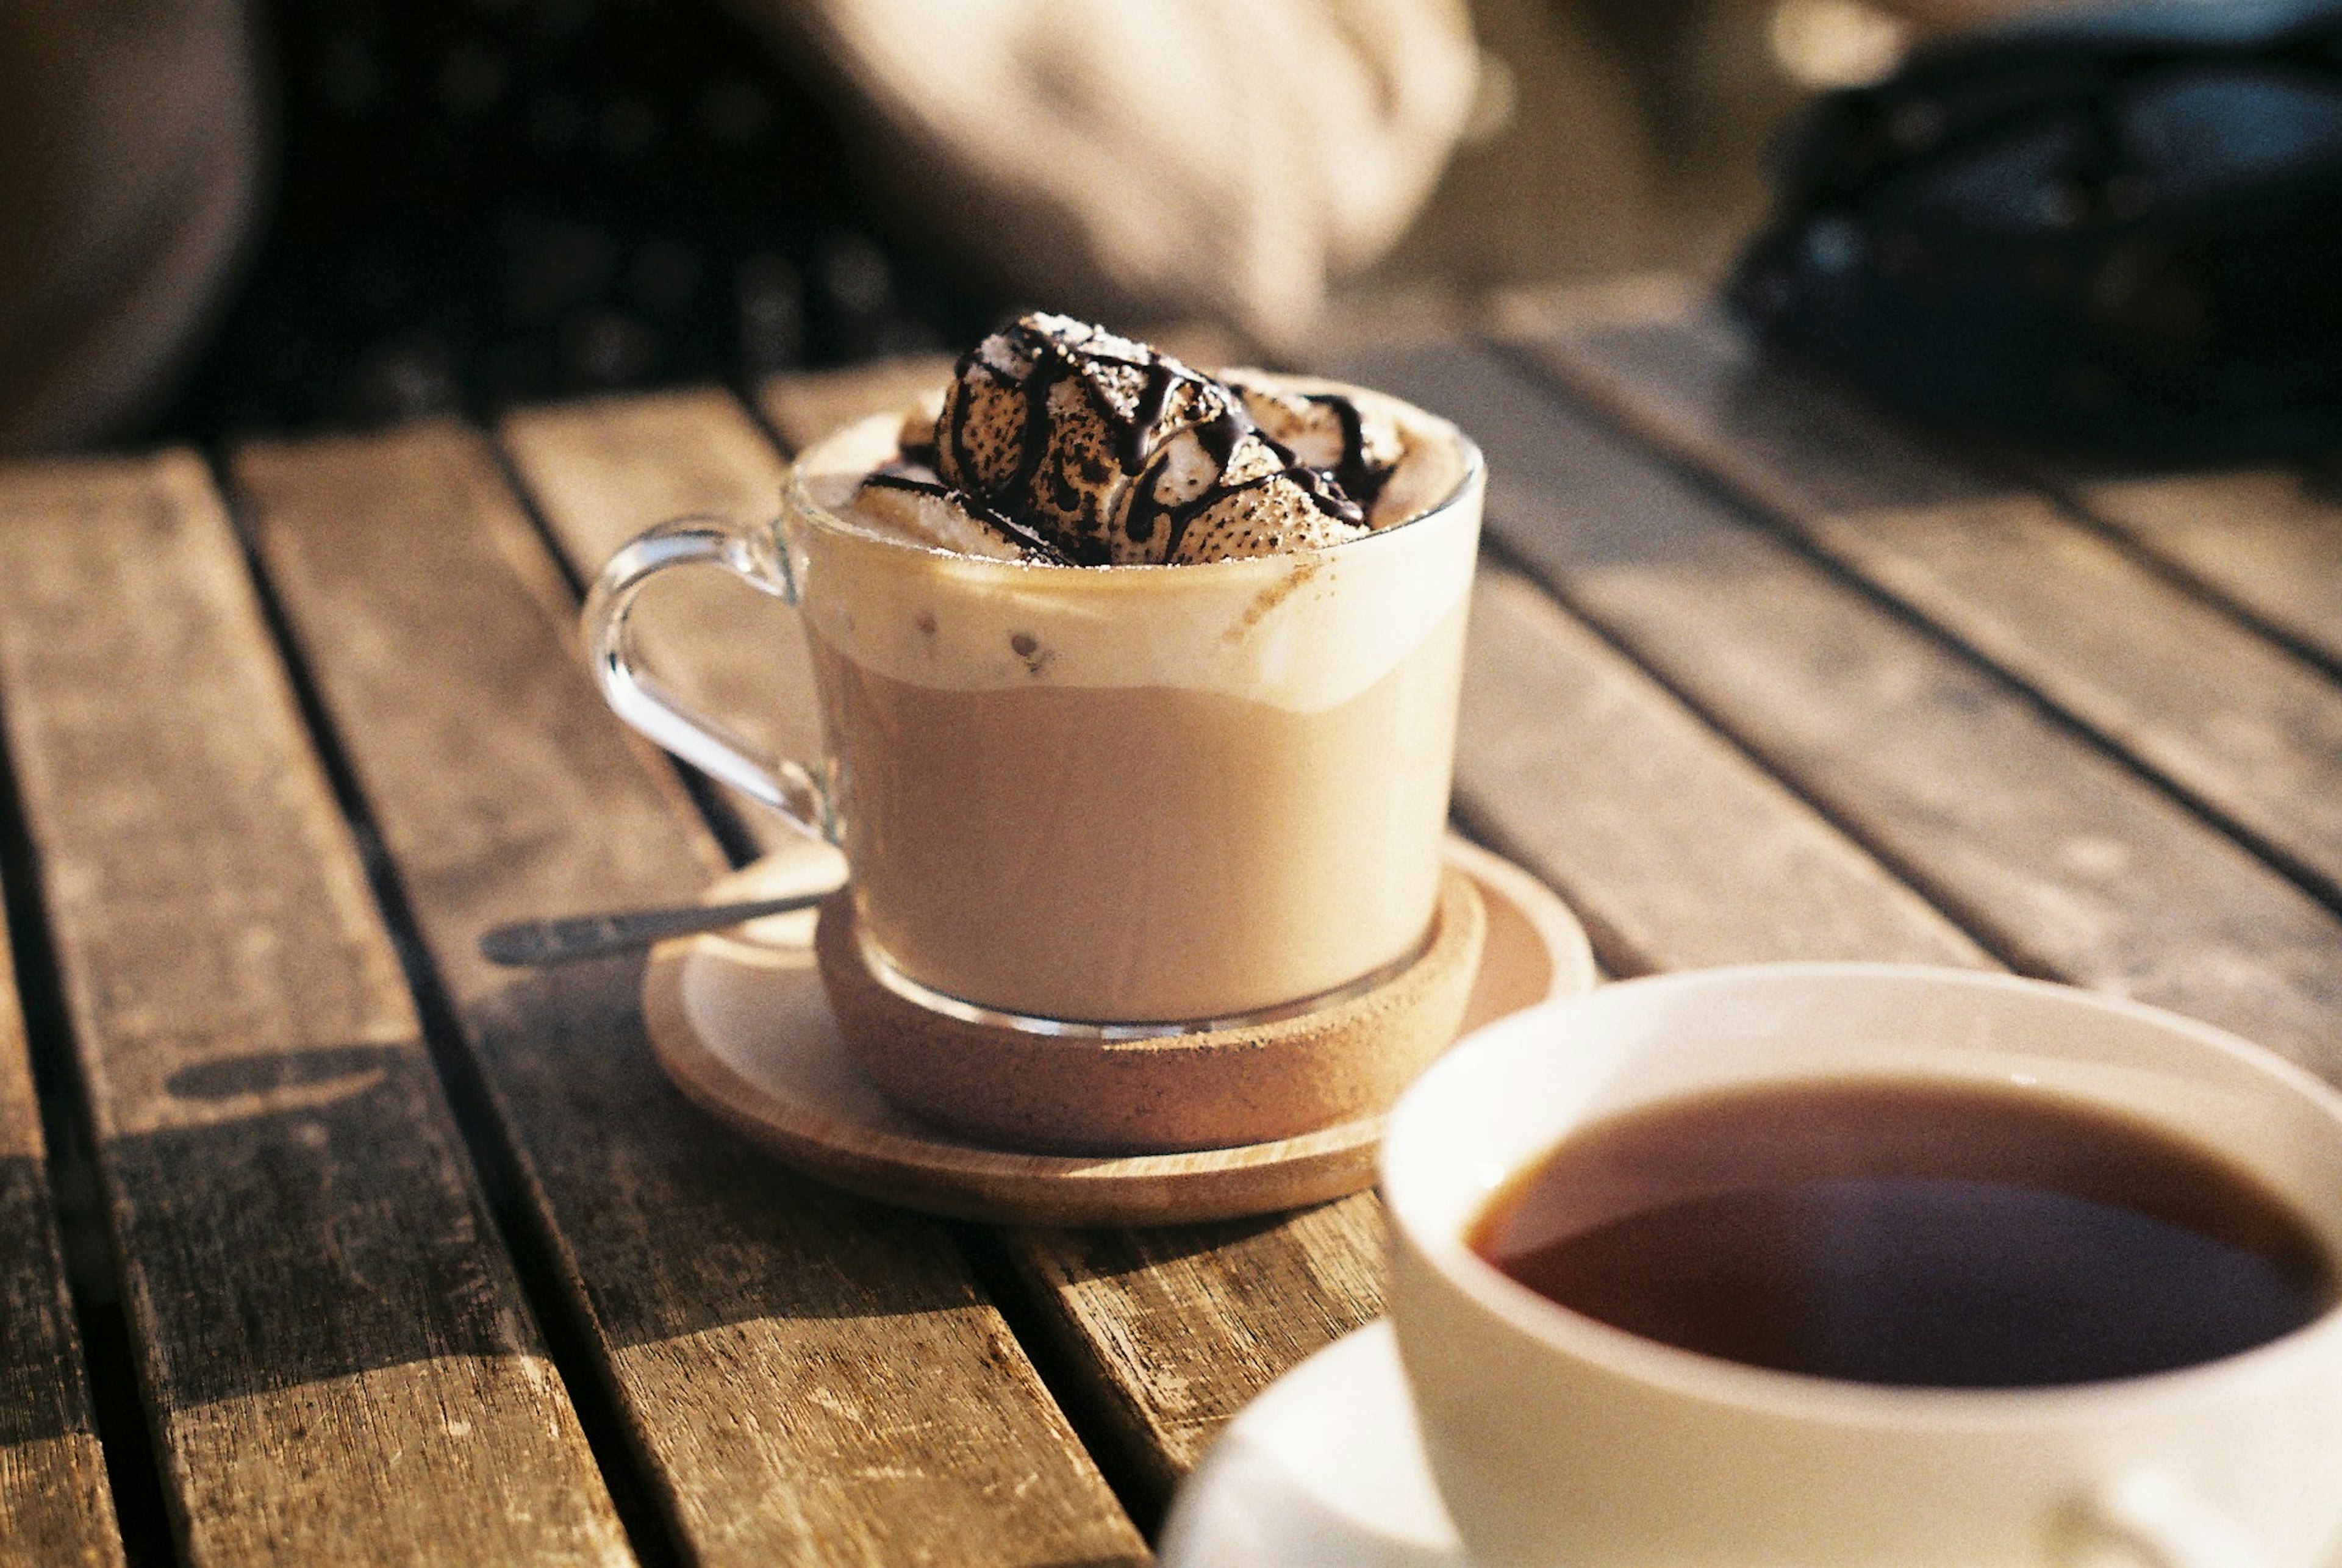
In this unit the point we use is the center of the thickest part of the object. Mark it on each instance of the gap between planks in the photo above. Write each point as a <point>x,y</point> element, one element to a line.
<point>92,1275</point>
<point>2266,539</point>
<point>55,1504</point>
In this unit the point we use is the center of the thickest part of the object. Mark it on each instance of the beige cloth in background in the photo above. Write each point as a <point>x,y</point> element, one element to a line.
<point>1152,157</point>
<point>130,160</point>
<point>1138,158</point>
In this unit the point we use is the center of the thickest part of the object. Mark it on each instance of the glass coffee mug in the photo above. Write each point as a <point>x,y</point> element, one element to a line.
<point>1556,1438</point>
<point>1157,796</point>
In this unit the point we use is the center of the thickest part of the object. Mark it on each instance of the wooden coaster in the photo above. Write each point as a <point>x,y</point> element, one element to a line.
<point>1088,1092</point>
<point>741,1023</point>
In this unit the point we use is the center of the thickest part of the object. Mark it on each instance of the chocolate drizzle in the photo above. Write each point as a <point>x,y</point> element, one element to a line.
<point>1360,480</point>
<point>1058,486</point>
<point>1033,443</point>
<point>1031,541</point>
<point>1161,377</point>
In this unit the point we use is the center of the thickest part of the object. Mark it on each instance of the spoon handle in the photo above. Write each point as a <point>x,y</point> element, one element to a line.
<point>528,943</point>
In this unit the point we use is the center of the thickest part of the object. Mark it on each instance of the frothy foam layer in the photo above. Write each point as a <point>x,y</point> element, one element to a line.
<point>917,592</point>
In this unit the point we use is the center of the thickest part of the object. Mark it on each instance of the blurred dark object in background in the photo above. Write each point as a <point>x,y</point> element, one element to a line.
<point>2119,229</point>
<point>476,203</point>
<point>491,201</point>
<point>131,150</point>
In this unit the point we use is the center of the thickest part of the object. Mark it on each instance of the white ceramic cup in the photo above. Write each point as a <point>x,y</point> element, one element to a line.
<point>1557,1439</point>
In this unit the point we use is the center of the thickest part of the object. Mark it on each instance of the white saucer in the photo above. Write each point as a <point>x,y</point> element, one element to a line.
<point>1325,1468</point>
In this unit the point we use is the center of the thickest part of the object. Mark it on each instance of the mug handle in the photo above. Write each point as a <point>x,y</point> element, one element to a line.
<point>751,553</point>
<point>2156,1520</point>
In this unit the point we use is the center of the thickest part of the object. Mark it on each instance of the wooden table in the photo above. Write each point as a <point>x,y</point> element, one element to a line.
<point>321,1239</point>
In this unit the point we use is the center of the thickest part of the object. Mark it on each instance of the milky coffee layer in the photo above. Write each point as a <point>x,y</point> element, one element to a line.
<point>1143,854</point>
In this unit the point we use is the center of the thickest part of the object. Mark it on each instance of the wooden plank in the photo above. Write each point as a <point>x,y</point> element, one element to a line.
<point>2059,857</point>
<point>53,1502</point>
<point>808,1378</point>
<point>338,1357</point>
<point>2269,539</point>
<point>2247,730</point>
<point>1672,848</point>
<point>1172,1331</point>
<point>602,472</point>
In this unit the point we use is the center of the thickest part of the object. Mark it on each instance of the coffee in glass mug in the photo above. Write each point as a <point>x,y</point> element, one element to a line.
<point>1138,685</point>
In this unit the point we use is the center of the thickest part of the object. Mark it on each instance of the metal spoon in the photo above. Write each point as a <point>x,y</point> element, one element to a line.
<point>530,943</point>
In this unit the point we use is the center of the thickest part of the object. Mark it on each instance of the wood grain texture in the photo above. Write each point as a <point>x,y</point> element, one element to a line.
<point>1173,1330</point>
<point>334,1342</point>
<point>2247,730</point>
<point>2058,856</point>
<point>808,1378</point>
<point>1672,848</point>
<point>2270,539</point>
<point>54,1507</point>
